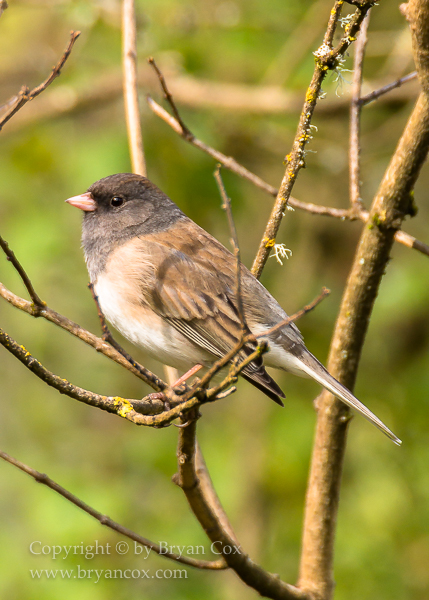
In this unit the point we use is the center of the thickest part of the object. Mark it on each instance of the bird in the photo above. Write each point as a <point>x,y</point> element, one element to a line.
<point>170,287</point>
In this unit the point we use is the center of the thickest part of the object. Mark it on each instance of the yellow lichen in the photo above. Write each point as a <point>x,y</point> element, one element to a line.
<point>124,407</point>
<point>310,96</point>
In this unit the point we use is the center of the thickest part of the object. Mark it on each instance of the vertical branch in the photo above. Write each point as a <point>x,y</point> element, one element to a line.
<point>193,479</point>
<point>226,205</point>
<point>391,204</point>
<point>355,114</point>
<point>131,100</point>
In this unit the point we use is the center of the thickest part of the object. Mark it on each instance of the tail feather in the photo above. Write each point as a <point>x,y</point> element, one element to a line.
<point>263,382</point>
<point>312,367</point>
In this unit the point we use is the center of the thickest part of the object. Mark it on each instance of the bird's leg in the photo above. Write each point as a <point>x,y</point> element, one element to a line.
<point>180,381</point>
<point>161,396</point>
<point>186,375</point>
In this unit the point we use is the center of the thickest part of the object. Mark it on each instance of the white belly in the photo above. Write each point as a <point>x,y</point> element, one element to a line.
<point>146,329</point>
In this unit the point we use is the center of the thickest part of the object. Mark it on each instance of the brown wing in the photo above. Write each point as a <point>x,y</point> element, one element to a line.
<point>193,288</point>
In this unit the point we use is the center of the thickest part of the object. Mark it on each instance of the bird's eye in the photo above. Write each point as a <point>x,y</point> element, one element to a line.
<point>116,201</point>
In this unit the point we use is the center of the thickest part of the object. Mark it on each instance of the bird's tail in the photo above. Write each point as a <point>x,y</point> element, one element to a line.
<point>312,367</point>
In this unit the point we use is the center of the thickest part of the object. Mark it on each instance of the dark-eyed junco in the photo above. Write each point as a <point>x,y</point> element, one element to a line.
<point>170,287</point>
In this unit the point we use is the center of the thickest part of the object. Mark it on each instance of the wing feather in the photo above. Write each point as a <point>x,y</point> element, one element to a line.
<point>199,300</point>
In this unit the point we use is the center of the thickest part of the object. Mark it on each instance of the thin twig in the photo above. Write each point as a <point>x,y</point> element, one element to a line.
<point>225,394</point>
<point>230,163</point>
<point>323,294</point>
<point>25,94</point>
<point>86,336</point>
<point>146,412</point>
<point>131,97</point>
<point>132,410</point>
<point>167,95</point>
<point>234,370</point>
<point>226,206</point>
<point>194,396</point>
<point>411,242</point>
<point>315,209</point>
<point>259,350</point>
<point>115,404</point>
<point>108,337</point>
<point>355,113</point>
<point>222,362</point>
<point>38,303</point>
<point>387,88</point>
<point>107,521</point>
<point>179,126</point>
<point>39,308</point>
<point>227,161</point>
<point>140,412</point>
<point>332,23</point>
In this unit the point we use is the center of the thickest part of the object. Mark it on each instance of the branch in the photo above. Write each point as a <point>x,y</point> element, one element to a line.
<point>417,14</point>
<point>107,521</point>
<point>189,91</point>
<point>260,349</point>
<point>226,206</point>
<point>38,303</point>
<point>227,161</point>
<point>209,494</point>
<point>355,114</point>
<point>326,58</point>
<point>376,94</point>
<point>267,584</point>
<point>391,204</point>
<point>108,337</point>
<point>202,474</point>
<point>132,410</point>
<point>234,166</point>
<point>167,95</point>
<point>325,292</point>
<point>234,370</point>
<point>192,397</point>
<point>86,336</point>
<point>38,308</point>
<point>25,95</point>
<point>131,97</point>
<point>411,242</point>
<point>149,412</point>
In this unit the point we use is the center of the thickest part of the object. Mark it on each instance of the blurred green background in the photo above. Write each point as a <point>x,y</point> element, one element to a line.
<point>239,71</point>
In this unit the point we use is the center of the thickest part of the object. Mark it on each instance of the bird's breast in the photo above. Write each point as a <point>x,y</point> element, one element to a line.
<point>120,291</point>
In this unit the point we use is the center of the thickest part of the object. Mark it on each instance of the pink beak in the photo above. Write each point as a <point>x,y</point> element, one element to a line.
<point>85,202</point>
